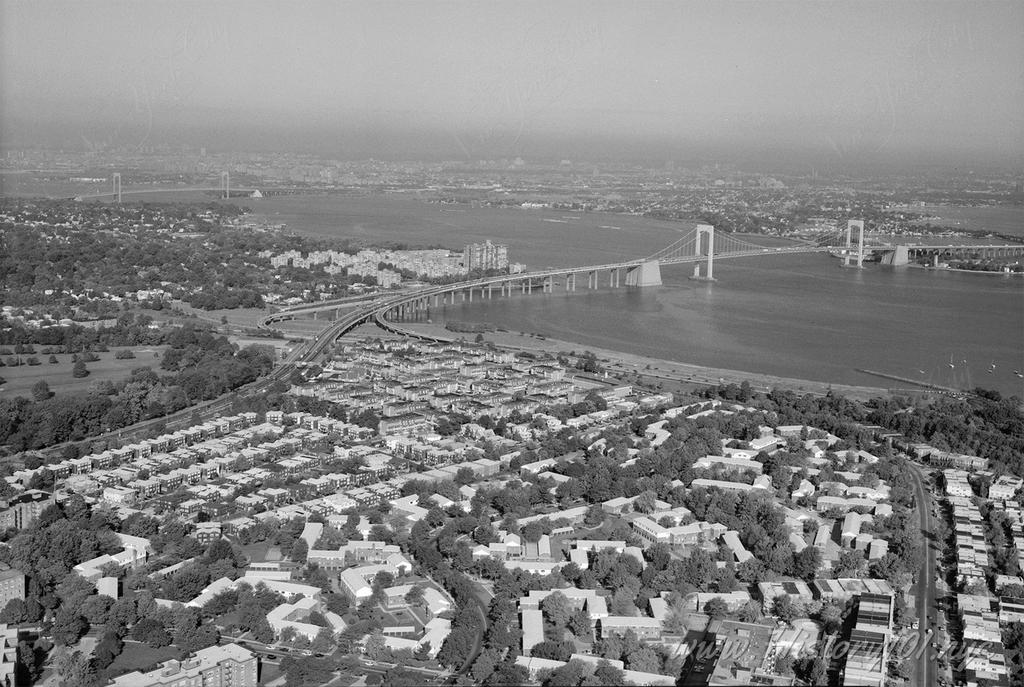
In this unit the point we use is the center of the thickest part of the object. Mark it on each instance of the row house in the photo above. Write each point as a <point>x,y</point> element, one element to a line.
<point>101,461</point>
<point>948,459</point>
<point>985,660</point>
<point>411,423</point>
<point>251,503</point>
<point>274,496</point>
<point>297,464</point>
<point>190,507</point>
<point>404,408</point>
<point>168,482</point>
<point>146,488</point>
<point>680,535</point>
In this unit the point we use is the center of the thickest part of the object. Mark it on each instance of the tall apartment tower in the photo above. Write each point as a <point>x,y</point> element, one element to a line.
<point>485,256</point>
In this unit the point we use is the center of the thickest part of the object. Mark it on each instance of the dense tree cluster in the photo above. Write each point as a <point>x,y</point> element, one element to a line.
<point>53,249</point>
<point>201,366</point>
<point>984,424</point>
<point>47,551</point>
<point>127,329</point>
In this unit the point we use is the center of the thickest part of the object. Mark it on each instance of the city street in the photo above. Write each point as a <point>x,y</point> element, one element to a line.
<point>926,595</point>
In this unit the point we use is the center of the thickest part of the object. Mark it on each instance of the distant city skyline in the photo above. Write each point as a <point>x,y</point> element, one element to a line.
<point>872,81</point>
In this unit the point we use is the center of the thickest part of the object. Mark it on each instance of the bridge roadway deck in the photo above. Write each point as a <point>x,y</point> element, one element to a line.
<point>139,191</point>
<point>376,309</point>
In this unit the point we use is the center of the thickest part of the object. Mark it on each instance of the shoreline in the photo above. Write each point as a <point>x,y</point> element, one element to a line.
<point>956,269</point>
<point>683,375</point>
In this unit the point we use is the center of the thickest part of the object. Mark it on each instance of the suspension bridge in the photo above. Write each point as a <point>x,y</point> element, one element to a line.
<point>224,190</point>
<point>702,247</point>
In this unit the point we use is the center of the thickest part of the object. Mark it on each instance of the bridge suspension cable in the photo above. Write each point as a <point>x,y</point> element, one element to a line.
<point>690,246</point>
<point>687,245</point>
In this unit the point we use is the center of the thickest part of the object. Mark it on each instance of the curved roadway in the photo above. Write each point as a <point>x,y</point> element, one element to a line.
<point>378,306</point>
<point>374,309</point>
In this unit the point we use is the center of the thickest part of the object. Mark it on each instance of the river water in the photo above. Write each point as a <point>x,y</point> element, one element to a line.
<point>798,316</point>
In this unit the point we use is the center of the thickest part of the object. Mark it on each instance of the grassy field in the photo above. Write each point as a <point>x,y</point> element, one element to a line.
<point>137,656</point>
<point>58,375</point>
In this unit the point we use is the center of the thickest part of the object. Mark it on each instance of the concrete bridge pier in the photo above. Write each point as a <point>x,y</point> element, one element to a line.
<point>645,274</point>
<point>898,256</point>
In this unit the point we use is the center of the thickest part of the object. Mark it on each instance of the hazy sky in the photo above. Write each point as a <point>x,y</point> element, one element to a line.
<point>846,77</point>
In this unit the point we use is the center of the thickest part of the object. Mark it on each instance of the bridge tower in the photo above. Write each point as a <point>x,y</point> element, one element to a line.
<point>225,184</point>
<point>850,224</point>
<point>117,186</point>
<point>708,231</point>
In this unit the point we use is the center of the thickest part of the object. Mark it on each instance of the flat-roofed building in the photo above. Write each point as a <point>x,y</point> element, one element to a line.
<point>845,588</point>
<point>215,666</point>
<point>1005,487</point>
<point>719,484</point>
<point>741,649</point>
<point>875,612</point>
<point>732,600</point>
<point>595,605</point>
<point>732,540</point>
<point>645,628</point>
<point>22,510</point>
<point>1011,610</point>
<point>729,464</point>
<point>8,654</point>
<point>532,622</point>
<point>12,585</point>
<point>794,589</point>
<point>865,659</point>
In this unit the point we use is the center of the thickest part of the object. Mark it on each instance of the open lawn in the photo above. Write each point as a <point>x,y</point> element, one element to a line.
<point>404,617</point>
<point>142,657</point>
<point>269,672</point>
<point>58,375</point>
<point>243,317</point>
<point>262,551</point>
